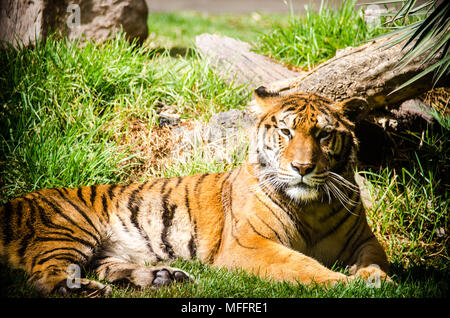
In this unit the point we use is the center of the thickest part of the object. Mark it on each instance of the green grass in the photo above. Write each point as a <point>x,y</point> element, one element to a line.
<point>410,203</point>
<point>178,30</point>
<point>65,108</point>
<point>409,217</point>
<point>66,111</point>
<point>211,282</point>
<point>314,37</point>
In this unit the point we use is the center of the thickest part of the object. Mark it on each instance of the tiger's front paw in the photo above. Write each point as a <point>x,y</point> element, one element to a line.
<point>157,276</point>
<point>168,275</point>
<point>372,275</point>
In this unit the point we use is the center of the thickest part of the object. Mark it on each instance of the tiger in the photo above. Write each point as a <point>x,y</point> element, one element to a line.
<point>290,212</point>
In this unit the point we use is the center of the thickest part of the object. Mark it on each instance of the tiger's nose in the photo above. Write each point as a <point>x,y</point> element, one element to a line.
<point>302,168</point>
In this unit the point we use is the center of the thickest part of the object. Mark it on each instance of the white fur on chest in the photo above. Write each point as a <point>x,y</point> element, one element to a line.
<point>147,239</point>
<point>125,242</point>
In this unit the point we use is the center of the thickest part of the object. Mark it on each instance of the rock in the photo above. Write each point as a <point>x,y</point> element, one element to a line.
<point>167,115</point>
<point>222,139</point>
<point>22,21</point>
<point>226,124</point>
<point>413,109</point>
<point>167,119</point>
<point>100,19</point>
<point>411,115</point>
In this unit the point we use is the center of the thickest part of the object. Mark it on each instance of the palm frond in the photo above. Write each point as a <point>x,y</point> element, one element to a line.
<point>428,37</point>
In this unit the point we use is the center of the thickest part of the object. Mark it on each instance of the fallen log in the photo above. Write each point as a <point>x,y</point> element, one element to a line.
<point>234,61</point>
<point>368,71</point>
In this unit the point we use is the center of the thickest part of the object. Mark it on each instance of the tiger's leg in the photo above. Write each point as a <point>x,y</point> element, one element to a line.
<point>370,261</point>
<point>61,272</point>
<point>270,259</point>
<point>116,270</point>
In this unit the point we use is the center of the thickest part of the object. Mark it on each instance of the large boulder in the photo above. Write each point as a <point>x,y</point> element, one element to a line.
<point>22,21</point>
<point>100,19</point>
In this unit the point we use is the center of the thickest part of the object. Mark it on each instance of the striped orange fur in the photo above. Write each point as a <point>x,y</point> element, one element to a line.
<point>289,213</point>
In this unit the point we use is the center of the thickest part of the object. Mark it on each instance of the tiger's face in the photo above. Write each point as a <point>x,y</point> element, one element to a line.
<point>304,143</point>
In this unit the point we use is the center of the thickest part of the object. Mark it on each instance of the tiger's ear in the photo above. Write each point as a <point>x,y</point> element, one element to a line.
<point>355,108</point>
<point>265,99</point>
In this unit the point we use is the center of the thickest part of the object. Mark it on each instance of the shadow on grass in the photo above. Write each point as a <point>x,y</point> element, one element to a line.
<point>13,283</point>
<point>424,281</point>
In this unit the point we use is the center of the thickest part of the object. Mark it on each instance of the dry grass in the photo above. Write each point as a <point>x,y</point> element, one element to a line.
<point>150,148</point>
<point>439,98</point>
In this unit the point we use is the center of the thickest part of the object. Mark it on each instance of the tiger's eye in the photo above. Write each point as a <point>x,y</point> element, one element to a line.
<point>285,132</point>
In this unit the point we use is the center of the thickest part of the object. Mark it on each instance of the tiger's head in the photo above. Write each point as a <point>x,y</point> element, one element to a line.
<point>304,143</point>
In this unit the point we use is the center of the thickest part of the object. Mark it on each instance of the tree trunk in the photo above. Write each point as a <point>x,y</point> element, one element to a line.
<point>235,61</point>
<point>366,71</point>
